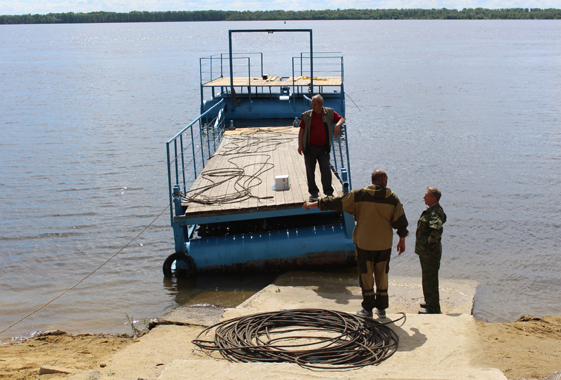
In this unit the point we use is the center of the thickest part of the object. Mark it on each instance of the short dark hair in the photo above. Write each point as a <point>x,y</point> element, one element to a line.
<point>378,175</point>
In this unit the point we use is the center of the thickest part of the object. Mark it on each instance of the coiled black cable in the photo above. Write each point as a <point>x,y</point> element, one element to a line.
<point>311,338</point>
<point>238,149</point>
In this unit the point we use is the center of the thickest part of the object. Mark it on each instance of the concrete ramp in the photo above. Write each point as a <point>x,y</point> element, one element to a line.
<point>191,369</point>
<point>445,346</point>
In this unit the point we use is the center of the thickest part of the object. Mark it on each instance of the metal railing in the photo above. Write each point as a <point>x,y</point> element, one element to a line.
<point>190,150</point>
<point>325,64</point>
<point>340,155</point>
<point>218,65</point>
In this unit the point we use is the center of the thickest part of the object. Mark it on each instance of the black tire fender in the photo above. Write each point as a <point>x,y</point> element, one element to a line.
<point>184,265</point>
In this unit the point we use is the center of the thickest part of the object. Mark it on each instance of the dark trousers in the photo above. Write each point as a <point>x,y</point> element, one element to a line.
<point>319,154</point>
<point>373,268</point>
<point>429,267</point>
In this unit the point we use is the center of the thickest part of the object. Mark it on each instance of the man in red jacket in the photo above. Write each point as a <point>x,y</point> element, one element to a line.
<point>315,140</point>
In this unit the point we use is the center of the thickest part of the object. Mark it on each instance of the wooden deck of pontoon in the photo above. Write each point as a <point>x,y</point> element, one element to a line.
<point>253,149</point>
<point>274,81</point>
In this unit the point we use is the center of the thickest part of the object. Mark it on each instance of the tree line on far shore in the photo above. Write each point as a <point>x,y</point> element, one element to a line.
<point>338,14</point>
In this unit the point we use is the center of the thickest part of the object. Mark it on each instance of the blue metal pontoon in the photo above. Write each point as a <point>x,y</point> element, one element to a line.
<point>225,214</point>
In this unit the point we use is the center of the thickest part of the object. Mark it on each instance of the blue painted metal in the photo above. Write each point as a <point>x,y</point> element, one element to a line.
<point>186,160</point>
<point>253,251</point>
<point>189,151</point>
<point>179,231</point>
<point>224,218</point>
<point>349,220</point>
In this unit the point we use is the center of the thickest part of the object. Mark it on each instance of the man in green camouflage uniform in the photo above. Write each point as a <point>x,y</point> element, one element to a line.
<point>429,248</point>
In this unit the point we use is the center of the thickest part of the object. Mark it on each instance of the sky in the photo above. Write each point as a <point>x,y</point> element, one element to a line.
<point>18,7</point>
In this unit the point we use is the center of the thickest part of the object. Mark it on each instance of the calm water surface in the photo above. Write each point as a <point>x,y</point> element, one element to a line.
<point>471,107</point>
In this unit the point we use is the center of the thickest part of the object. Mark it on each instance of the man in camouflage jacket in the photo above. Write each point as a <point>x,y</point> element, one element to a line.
<point>429,248</point>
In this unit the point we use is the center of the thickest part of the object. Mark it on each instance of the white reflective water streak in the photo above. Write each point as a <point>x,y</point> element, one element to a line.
<point>470,107</point>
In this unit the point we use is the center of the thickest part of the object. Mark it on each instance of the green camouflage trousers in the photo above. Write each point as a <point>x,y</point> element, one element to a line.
<point>429,267</point>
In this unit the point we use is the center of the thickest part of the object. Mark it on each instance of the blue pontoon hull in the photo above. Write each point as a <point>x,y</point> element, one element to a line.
<point>303,248</point>
<point>269,235</point>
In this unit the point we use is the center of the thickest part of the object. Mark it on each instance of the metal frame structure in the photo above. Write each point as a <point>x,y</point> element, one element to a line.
<point>190,150</point>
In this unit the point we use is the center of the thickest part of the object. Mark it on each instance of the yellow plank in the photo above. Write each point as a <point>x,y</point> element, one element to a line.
<point>275,81</point>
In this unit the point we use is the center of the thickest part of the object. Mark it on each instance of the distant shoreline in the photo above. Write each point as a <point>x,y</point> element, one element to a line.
<point>280,15</point>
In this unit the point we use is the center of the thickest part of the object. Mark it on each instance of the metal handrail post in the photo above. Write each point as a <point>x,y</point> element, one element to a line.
<point>178,231</point>
<point>176,162</point>
<point>231,68</point>
<point>342,86</point>
<point>202,149</point>
<point>341,148</point>
<point>348,160</point>
<point>182,163</point>
<point>169,181</point>
<point>201,83</point>
<point>214,135</point>
<point>311,63</point>
<point>348,219</point>
<point>194,153</point>
<point>249,80</point>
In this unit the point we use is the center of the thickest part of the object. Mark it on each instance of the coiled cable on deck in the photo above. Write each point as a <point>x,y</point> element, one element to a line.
<point>311,338</point>
<point>244,177</point>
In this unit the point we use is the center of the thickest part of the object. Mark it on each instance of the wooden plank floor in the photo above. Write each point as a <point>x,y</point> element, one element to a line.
<point>274,81</point>
<point>241,174</point>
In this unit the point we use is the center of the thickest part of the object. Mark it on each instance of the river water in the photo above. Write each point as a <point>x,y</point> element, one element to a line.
<point>471,107</point>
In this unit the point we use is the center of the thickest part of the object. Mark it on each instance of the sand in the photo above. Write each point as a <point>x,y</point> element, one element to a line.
<point>529,348</point>
<point>59,351</point>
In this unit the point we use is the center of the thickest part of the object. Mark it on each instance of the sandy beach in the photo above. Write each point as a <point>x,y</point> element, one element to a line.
<point>522,350</point>
<point>529,348</point>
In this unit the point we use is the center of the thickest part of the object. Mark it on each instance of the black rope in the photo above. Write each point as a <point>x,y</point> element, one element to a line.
<point>353,102</point>
<point>311,338</point>
<point>84,278</point>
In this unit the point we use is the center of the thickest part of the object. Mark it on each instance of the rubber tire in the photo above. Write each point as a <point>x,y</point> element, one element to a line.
<point>179,256</point>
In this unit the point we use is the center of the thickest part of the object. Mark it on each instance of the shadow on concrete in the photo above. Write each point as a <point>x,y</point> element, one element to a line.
<point>409,339</point>
<point>331,285</point>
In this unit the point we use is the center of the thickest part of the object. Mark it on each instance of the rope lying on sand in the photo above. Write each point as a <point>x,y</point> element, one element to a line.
<point>311,338</point>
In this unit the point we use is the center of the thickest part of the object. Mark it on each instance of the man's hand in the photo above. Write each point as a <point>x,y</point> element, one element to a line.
<point>309,205</point>
<point>401,246</point>
<point>300,139</point>
<point>337,131</point>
